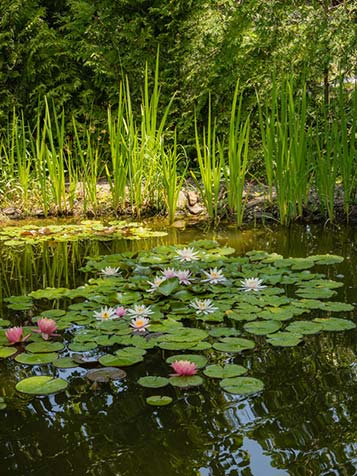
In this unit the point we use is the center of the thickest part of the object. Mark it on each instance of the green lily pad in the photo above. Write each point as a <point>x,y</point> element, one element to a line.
<point>284,339</point>
<point>7,352</point>
<point>334,306</point>
<point>153,381</point>
<point>184,382</point>
<point>123,358</point>
<point>327,259</point>
<point>105,375</point>
<point>261,328</point>
<point>234,345</point>
<point>242,385</point>
<point>41,385</point>
<point>53,313</point>
<point>4,323</point>
<point>158,400</point>
<point>304,327</point>
<point>224,332</point>
<point>185,334</point>
<point>64,363</point>
<point>225,371</point>
<point>199,360</point>
<point>39,347</point>
<point>334,324</point>
<point>36,359</point>
<point>82,346</point>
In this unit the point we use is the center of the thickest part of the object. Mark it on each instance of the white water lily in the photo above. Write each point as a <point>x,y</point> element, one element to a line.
<point>187,254</point>
<point>140,324</point>
<point>214,276</point>
<point>109,271</point>
<point>156,283</point>
<point>252,284</point>
<point>169,273</point>
<point>140,310</point>
<point>203,307</point>
<point>184,277</point>
<point>105,313</point>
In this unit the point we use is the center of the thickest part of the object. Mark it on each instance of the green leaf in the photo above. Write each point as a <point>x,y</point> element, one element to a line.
<point>158,400</point>
<point>38,347</point>
<point>284,339</point>
<point>225,371</point>
<point>184,382</point>
<point>64,363</point>
<point>168,287</point>
<point>304,327</point>
<point>242,385</point>
<point>224,332</point>
<point>105,375</point>
<point>261,328</point>
<point>7,352</point>
<point>36,359</point>
<point>153,382</point>
<point>82,346</point>
<point>334,324</point>
<point>234,345</point>
<point>41,385</point>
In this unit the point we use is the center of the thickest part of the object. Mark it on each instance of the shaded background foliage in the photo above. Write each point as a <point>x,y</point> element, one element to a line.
<point>78,51</point>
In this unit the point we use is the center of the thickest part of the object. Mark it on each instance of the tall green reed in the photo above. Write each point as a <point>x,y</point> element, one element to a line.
<point>236,165</point>
<point>210,164</point>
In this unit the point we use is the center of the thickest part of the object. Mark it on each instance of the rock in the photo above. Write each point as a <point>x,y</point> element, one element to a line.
<point>196,209</point>
<point>192,198</point>
<point>181,200</point>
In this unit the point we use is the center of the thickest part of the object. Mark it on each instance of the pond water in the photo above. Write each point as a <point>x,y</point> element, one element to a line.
<point>303,423</point>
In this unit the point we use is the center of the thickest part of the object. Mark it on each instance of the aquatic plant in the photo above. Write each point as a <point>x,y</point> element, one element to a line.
<point>15,335</point>
<point>140,324</point>
<point>106,313</point>
<point>46,327</point>
<point>187,254</point>
<point>203,306</point>
<point>252,284</point>
<point>183,368</point>
<point>213,276</point>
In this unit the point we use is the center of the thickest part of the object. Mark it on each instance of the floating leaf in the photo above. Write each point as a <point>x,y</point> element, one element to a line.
<point>261,328</point>
<point>53,313</point>
<point>64,363</point>
<point>38,347</point>
<point>199,360</point>
<point>41,385</point>
<point>327,259</point>
<point>82,347</point>
<point>284,339</point>
<point>335,324</point>
<point>153,382</point>
<point>7,352</point>
<point>224,332</point>
<point>225,371</point>
<point>234,345</point>
<point>123,358</point>
<point>304,327</point>
<point>183,382</point>
<point>158,400</point>
<point>4,323</point>
<point>36,359</point>
<point>242,385</point>
<point>105,375</point>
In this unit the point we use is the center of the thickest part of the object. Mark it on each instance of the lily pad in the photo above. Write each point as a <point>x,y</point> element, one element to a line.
<point>284,339</point>
<point>225,371</point>
<point>36,359</point>
<point>82,346</point>
<point>39,347</point>
<point>304,327</point>
<point>334,324</point>
<point>158,400</point>
<point>123,358</point>
<point>7,352</point>
<point>234,345</point>
<point>242,385</point>
<point>261,328</point>
<point>153,381</point>
<point>224,332</point>
<point>199,360</point>
<point>41,385</point>
<point>105,375</point>
<point>64,363</point>
<point>184,382</point>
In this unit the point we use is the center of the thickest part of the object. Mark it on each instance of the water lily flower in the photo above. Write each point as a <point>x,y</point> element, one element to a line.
<point>252,284</point>
<point>120,311</point>
<point>140,324</point>
<point>46,327</point>
<point>156,283</point>
<point>140,310</point>
<point>169,273</point>
<point>214,276</point>
<point>109,271</point>
<point>105,313</point>
<point>187,254</point>
<point>183,277</point>
<point>15,335</point>
<point>183,368</point>
<point>203,307</point>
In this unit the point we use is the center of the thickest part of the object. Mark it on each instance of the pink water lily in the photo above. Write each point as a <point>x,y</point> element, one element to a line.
<point>183,368</point>
<point>120,311</point>
<point>15,335</point>
<point>46,327</point>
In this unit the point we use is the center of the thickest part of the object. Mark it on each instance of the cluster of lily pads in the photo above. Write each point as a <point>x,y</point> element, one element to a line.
<point>201,305</point>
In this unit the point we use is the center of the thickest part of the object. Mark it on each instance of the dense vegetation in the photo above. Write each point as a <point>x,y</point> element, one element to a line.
<point>68,64</point>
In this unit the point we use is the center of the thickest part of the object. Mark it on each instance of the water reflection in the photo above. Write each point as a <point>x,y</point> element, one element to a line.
<point>302,424</point>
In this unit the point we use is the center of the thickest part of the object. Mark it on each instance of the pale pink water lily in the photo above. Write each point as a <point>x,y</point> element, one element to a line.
<point>187,254</point>
<point>156,283</point>
<point>46,327</point>
<point>252,284</point>
<point>214,276</point>
<point>139,310</point>
<point>15,335</point>
<point>140,324</point>
<point>120,311</point>
<point>109,271</point>
<point>169,273</point>
<point>184,277</point>
<point>106,313</point>
<point>183,368</point>
<point>204,306</point>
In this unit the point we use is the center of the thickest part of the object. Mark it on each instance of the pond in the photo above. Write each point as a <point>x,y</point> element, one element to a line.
<point>302,423</point>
